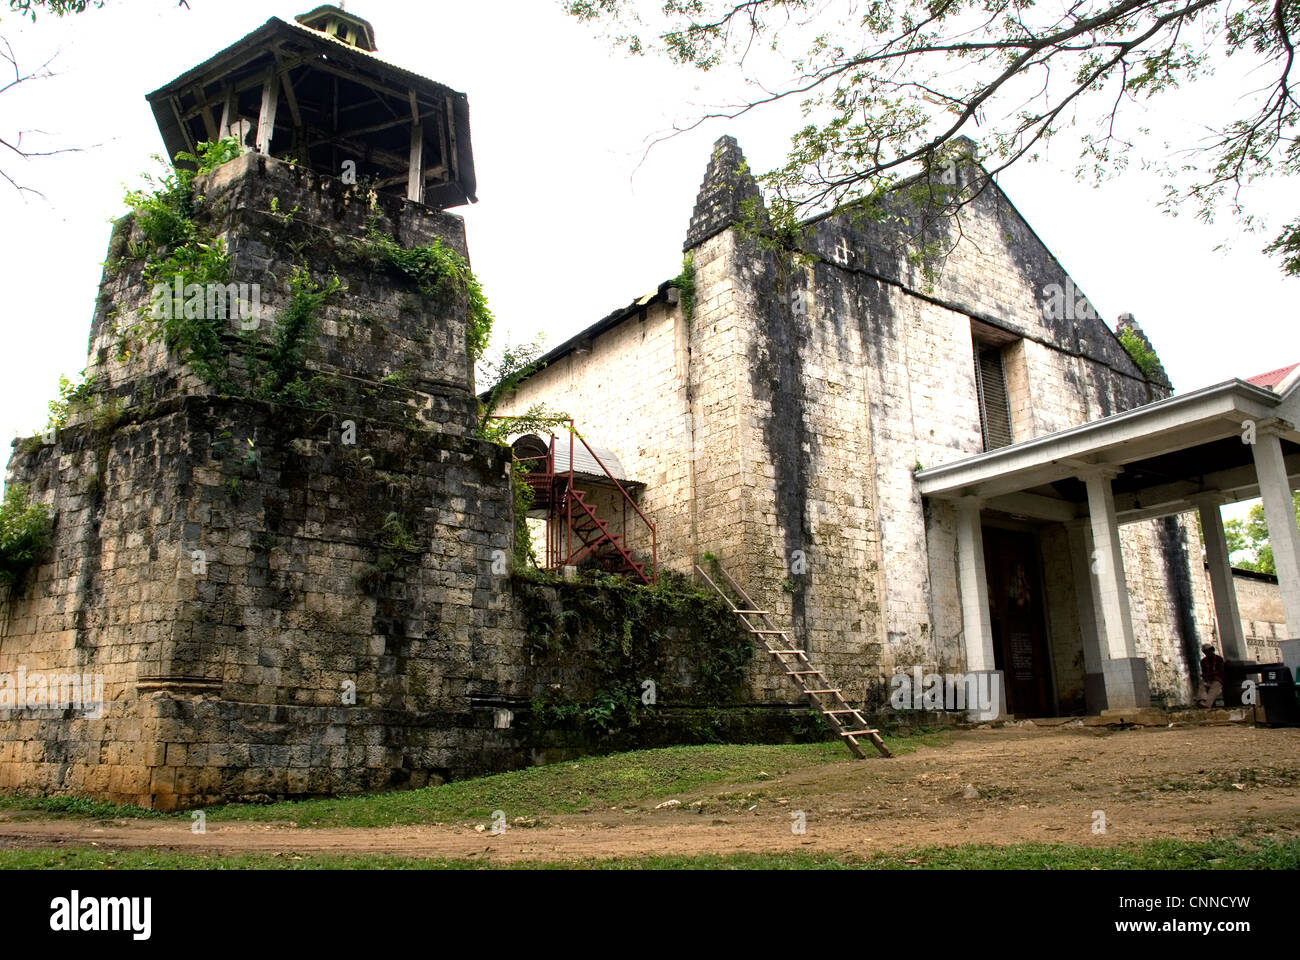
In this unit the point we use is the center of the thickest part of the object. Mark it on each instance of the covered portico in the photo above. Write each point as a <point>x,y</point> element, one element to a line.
<point>1221,444</point>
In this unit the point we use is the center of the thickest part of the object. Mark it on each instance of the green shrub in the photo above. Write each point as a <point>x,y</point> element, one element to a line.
<point>71,396</point>
<point>24,534</point>
<point>1142,355</point>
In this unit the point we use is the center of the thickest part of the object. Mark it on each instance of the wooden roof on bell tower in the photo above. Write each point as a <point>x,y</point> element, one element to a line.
<point>291,91</point>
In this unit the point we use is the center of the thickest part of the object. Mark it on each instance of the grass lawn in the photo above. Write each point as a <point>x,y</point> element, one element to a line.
<point>1156,855</point>
<point>621,779</point>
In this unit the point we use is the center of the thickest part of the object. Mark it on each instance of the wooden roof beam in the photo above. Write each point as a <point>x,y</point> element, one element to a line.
<point>438,173</point>
<point>286,84</point>
<point>375,128</point>
<point>369,82</point>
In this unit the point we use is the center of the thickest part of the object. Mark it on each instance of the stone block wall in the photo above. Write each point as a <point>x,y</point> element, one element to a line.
<point>291,600</point>
<point>620,667</point>
<point>271,218</point>
<point>913,334</point>
<point>822,384</point>
<point>1170,603</point>
<point>671,398</point>
<point>280,600</point>
<point>1064,632</point>
<point>1263,623</point>
<point>900,342</point>
<point>631,387</point>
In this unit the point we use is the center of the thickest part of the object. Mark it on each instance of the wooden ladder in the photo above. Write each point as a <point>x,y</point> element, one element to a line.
<point>812,683</point>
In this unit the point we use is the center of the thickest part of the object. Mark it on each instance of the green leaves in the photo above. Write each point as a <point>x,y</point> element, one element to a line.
<point>25,529</point>
<point>60,8</point>
<point>278,372</point>
<point>211,154</point>
<point>622,631</point>
<point>1287,245</point>
<point>174,247</point>
<point>71,396</point>
<point>398,548</point>
<point>1142,355</point>
<point>514,365</point>
<point>1250,536</point>
<point>685,281</point>
<point>885,86</point>
<point>439,272</point>
<point>164,207</point>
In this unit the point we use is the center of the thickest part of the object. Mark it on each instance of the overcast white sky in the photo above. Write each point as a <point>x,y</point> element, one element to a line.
<point>568,226</point>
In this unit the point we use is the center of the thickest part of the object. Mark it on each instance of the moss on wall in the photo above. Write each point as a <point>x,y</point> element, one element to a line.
<point>606,656</point>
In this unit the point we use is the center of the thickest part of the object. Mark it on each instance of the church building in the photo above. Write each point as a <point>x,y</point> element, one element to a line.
<point>949,464</point>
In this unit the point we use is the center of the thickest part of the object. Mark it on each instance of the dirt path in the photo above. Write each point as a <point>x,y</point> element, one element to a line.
<point>1043,785</point>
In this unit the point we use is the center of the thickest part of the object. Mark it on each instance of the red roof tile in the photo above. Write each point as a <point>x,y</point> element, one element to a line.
<point>1272,378</point>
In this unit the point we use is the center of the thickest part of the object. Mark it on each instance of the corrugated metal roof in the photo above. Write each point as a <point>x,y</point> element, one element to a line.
<point>583,461</point>
<point>1273,378</point>
<point>328,9</point>
<point>276,25</point>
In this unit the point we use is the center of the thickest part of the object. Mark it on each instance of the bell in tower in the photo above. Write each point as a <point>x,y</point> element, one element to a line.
<point>312,90</point>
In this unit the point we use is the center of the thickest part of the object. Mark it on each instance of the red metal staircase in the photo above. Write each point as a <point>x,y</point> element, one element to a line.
<point>575,530</point>
<point>599,542</point>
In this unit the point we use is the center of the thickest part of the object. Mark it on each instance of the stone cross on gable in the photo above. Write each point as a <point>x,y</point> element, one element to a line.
<point>842,253</point>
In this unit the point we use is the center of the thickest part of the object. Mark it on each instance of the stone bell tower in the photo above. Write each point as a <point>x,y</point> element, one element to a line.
<point>274,530</point>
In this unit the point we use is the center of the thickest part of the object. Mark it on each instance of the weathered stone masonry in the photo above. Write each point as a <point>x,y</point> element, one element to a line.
<point>816,390</point>
<point>278,612</point>
<point>230,681</point>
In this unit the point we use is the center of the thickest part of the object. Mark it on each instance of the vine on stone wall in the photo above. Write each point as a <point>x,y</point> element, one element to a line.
<point>175,248</point>
<point>522,556</point>
<point>398,549</point>
<point>620,629</point>
<point>685,283</point>
<point>277,372</point>
<point>72,398</point>
<point>176,251</point>
<point>438,272</point>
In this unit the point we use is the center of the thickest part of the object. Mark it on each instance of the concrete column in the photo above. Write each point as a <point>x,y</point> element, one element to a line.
<point>1114,617</point>
<point>1088,602</point>
<point>1283,536</point>
<point>977,628</point>
<point>1123,671</point>
<point>1231,638</point>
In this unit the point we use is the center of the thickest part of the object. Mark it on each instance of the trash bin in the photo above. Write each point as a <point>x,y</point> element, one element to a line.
<point>1235,673</point>
<point>1276,704</point>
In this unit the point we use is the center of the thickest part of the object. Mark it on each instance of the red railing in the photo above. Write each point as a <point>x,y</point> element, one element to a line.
<point>560,496</point>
